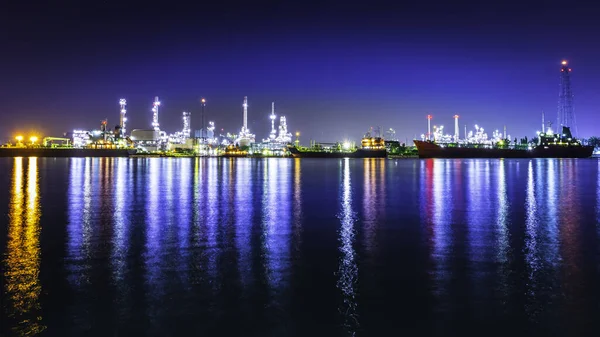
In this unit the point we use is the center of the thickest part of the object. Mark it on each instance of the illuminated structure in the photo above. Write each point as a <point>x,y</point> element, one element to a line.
<point>456,128</point>
<point>390,134</point>
<point>273,133</point>
<point>245,105</point>
<point>479,136</point>
<point>429,117</point>
<point>81,138</point>
<point>187,118</point>
<point>245,138</point>
<point>203,134</point>
<point>123,122</point>
<point>210,134</point>
<point>284,136</point>
<point>565,115</point>
<point>155,106</point>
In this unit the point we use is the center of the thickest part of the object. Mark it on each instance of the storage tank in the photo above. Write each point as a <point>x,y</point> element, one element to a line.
<point>140,135</point>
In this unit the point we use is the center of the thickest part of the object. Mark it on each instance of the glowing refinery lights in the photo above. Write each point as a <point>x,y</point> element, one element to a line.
<point>186,132</point>
<point>273,134</point>
<point>122,124</point>
<point>245,138</point>
<point>155,106</point>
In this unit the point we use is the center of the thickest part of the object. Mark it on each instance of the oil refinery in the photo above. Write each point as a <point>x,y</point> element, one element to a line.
<point>154,141</point>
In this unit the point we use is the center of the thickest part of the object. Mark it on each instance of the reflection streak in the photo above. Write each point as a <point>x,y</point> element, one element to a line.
<point>243,216</point>
<point>276,227</point>
<point>348,269</point>
<point>22,261</point>
<point>531,239</point>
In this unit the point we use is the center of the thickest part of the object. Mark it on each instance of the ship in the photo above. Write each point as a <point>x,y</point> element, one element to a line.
<point>549,145</point>
<point>64,152</point>
<point>371,147</point>
<point>234,151</point>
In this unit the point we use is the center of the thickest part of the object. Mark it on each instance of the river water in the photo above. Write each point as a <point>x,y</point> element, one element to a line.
<point>299,247</point>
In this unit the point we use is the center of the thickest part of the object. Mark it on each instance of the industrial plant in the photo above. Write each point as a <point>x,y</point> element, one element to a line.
<point>154,141</point>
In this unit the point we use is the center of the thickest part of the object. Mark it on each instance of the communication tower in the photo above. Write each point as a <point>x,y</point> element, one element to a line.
<point>155,106</point>
<point>122,124</point>
<point>565,116</point>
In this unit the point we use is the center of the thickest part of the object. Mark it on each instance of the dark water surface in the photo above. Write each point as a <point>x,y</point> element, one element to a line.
<point>290,247</point>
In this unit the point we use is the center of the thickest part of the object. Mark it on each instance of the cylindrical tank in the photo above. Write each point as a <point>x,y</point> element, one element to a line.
<point>139,135</point>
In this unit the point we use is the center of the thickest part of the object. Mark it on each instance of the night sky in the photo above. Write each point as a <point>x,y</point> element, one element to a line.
<point>333,69</point>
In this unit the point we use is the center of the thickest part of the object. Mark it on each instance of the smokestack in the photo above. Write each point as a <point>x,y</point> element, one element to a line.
<point>429,127</point>
<point>456,128</point>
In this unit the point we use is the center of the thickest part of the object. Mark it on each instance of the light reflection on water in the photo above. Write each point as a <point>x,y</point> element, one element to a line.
<point>22,258</point>
<point>276,221</point>
<point>162,245</point>
<point>347,270</point>
<point>243,220</point>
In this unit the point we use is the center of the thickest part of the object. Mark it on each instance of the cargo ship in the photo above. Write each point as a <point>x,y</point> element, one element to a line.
<point>63,152</point>
<point>549,145</point>
<point>371,147</point>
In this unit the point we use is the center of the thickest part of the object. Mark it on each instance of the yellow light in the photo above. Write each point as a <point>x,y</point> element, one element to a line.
<point>33,139</point>
<point>297,134</point>
<point>19,138</point>
<point>203,100</point>
<point>564,63</point>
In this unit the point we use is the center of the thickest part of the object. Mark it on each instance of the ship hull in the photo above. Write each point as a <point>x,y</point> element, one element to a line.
<point>360,153</point>
<point>61,153</point>
<point>432,150</point>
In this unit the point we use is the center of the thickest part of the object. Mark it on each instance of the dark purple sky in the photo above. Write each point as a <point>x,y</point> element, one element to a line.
<point>333,69</point>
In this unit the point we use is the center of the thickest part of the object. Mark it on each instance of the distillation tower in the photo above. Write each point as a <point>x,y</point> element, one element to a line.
<point>456,132</point>
<point>284,136</point>
<point>245,137</point>
<point>273,133</point>
<point>123,121</point>
<point>203,130</point>
<point>565,116</point>
<point>155,106</point>
<point>187,119</point>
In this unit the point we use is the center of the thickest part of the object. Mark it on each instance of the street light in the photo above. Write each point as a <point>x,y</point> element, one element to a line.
<point>33,139</point>
<point>19,138</point>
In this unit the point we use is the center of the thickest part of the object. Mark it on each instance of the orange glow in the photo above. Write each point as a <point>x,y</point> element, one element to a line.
<point>23,286</point>
<point>564,63</point>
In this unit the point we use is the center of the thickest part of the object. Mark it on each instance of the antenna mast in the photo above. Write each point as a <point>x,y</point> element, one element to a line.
<point>565,99</point>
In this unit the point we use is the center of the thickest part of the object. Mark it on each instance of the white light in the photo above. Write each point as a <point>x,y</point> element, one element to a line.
<point>346,145</point>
